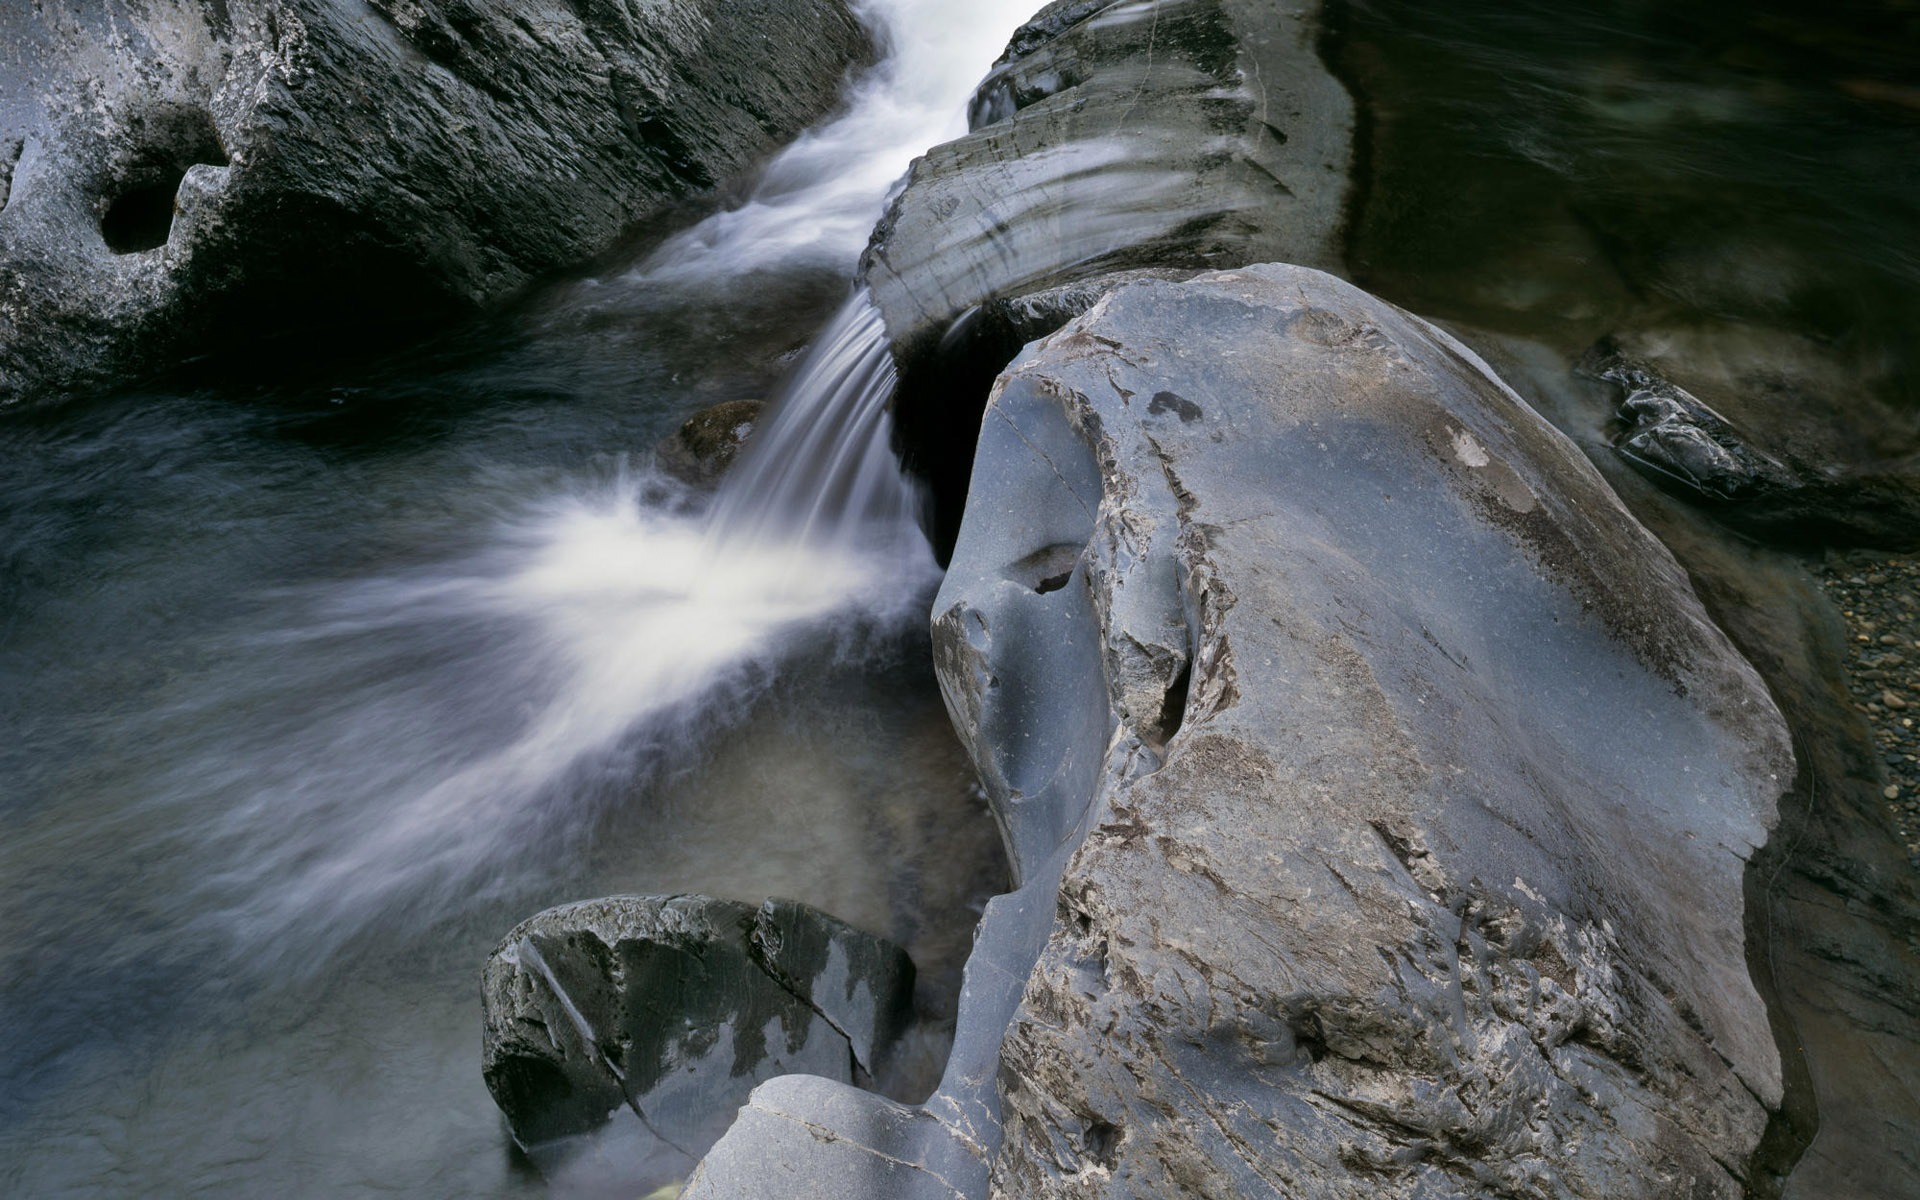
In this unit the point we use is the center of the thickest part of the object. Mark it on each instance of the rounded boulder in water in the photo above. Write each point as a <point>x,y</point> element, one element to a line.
<point>623,1034</point>
<point>705,445</point>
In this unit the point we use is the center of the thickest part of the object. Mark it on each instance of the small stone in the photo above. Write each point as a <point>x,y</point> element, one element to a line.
<point>1892,791</point>
<point>1892,701</point>
<point>1887,639</point>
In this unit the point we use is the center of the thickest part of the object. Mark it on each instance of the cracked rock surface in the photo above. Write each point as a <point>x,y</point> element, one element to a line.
<point>1378,791</point>
<point>176,175</point>
<point>623,1033</point>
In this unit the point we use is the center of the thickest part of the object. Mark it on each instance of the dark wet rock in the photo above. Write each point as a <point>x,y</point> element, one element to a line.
<point>1779,492</point>
<point>622,1034</point>
<point>1118,136</point>
<point>705,445</point>
<point>1379,793</point>
<point>181,175</point>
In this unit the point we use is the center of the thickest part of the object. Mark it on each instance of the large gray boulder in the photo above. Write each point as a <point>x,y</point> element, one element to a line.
<point>176,175</point>
<point>1113,135</point>
<point>1380,794</point>
<point>622,1034</point>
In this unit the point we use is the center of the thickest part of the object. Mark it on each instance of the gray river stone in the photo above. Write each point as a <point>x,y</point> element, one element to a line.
<point>700,451</point>
<point>176,175</point>
<point>622,1034</point>
<point>1112,136</point>
<point>1380,794</point>
<point>1800,491</point>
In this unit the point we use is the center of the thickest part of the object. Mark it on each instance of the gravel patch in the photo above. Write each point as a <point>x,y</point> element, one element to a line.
<point>1879,596</point>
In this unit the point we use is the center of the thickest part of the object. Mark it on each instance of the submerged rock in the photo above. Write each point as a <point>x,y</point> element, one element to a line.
<point>622,1034</point>
<point>705,445</point>
<point>1379,792</point>
<point>179,175</point>
<point>1113,135</point>
<point>1684,445</point>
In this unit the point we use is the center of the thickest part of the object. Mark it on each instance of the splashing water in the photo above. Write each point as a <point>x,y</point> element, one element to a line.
<point>606,630</point>
<point>821,469</point>
<point>258,833</point>
<point>818,199</point>
<point>544,677</point>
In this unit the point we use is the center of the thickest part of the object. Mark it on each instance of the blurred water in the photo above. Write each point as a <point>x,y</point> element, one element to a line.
<point>817,200</point>
<point>1737,180</point>
<point>315,689</point>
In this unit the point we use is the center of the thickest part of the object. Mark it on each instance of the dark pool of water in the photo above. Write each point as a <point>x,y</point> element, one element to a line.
<point>1739,181</point>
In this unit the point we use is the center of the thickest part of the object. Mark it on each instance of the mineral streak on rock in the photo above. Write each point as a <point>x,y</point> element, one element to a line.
<point>1379,792</point>
<point>623,1033</point>
<point>176,175</point>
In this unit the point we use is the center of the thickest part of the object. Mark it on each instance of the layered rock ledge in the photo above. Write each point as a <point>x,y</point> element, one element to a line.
<point>181,175</point>
<point>1113,135</point>
<point>1379,792</point>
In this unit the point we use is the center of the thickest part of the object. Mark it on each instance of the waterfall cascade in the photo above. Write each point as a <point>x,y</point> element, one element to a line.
<point>313,703</point>
<point>820,469</point>
<point>627,626</point>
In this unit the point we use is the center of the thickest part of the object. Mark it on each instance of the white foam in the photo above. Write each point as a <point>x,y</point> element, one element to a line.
<point>818,199</point>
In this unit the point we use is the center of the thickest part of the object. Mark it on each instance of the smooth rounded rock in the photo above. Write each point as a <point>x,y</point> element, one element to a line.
<point>1379,793</point>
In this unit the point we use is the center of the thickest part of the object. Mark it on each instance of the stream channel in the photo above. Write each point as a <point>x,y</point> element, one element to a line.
<point>313,688</point>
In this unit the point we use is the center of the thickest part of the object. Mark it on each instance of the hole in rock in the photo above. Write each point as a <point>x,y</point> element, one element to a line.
<point>10,152</point>
<point>139,211</point>
<point>1047,569</point>
<point>140,219</point>
<point>1102,1142</point>
<point>1173,709</point>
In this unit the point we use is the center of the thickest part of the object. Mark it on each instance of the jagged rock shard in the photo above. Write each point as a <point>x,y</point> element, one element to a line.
<point>622,1034</point>
<point>1406,859</point>
<point>176,172</point>
<point>1685,446</point>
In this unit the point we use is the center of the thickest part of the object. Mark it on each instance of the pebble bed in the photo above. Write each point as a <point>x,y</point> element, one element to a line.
<point>1879,596</point>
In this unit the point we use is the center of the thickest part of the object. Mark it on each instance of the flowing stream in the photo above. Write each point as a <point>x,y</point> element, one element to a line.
<point>314,691</point>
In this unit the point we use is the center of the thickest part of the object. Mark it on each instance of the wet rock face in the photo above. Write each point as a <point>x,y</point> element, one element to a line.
<point>177,175</point>
<point>1378,791</point>
<point>622,1034</point>
<point>705,445</point>
<point>1184,134</point>
<point>1786,495</point>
